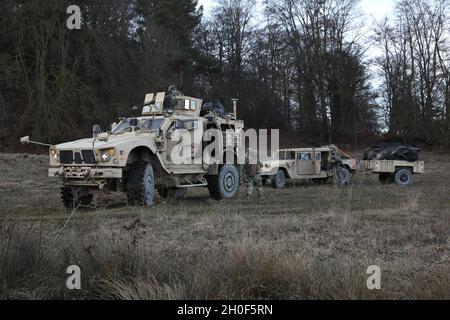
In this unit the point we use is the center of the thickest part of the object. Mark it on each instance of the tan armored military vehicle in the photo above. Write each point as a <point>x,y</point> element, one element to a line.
<point>320,165</point>
<point>162,150</point>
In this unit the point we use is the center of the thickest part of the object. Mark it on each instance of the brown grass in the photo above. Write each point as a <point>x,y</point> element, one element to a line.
<point>303,242</point>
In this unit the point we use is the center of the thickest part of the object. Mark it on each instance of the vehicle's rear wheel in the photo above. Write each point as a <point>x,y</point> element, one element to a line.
<point>141,184</point>
<point>279,180</point>
<point>74,197</point>
<point>403,177</point>
<point>226,184</point>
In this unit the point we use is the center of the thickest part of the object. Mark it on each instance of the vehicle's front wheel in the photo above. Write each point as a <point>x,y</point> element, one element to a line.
<point>74,197</point>
<point>279,180</point>
<point>141,184</point>
<point>226,184</point>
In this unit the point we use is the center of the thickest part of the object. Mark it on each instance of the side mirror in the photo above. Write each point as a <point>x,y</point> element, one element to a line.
<point>96,130</point>
<point>25,139</point>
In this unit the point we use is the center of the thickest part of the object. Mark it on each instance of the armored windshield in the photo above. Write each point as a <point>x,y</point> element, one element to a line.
<point>126,125</point>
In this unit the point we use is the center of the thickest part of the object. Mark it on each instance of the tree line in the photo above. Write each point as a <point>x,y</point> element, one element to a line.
<point>302,66</point>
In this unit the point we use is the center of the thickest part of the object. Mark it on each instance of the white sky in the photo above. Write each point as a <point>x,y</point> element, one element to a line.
<point>372,12</point>
<point>373,9</point>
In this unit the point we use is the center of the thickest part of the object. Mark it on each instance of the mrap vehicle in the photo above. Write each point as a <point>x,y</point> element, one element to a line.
<point>135,157</point>
<point>320,165</point>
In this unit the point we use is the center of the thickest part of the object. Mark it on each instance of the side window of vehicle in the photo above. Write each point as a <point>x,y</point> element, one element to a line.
<point>282,155</point>
<point>291,155</point>
<point>193,105</point>
<point>175,125</point>
<point>190,124</point>
<point>304,156</point>
<point>318,156</point>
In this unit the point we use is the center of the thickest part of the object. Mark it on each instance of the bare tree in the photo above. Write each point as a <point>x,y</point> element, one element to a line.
<point>414,68</point>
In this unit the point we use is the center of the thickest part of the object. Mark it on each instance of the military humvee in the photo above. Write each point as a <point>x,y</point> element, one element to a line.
<point>320,165</point>
<point>141,155</point>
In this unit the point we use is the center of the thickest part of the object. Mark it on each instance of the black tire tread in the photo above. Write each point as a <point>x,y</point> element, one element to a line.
<point>85,198</point>
<point>135,183</point>
<point>213,187</point>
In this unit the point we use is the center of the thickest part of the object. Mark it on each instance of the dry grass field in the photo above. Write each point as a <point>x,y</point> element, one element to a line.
<point>303,242</point>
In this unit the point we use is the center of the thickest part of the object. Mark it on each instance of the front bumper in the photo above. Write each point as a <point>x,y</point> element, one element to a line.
<point>85,176</point>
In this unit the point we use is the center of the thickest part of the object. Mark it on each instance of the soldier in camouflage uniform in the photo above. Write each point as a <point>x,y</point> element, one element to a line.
<point>252,174</point>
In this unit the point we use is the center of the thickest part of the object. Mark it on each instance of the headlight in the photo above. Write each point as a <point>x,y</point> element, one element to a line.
<point>54,154</point>
<point>105,155</point>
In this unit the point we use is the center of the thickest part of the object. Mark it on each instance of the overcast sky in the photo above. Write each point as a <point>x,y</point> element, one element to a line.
<point>374,9</point>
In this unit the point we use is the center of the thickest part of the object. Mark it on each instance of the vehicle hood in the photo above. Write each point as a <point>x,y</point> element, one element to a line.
<point>113,141</point>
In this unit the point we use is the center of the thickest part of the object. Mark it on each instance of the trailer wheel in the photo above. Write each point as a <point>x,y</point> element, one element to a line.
<point>403,177</point>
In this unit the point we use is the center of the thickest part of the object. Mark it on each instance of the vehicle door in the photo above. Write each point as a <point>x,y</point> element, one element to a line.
<point>178,143</point>
<point>195,129</point>
<point>305,163</point>
<point>317,163</point>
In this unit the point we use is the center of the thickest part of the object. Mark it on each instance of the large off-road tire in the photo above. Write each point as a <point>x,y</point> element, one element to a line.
<point>74,197</point>
<point>403,177</point>
<point>279,180</point>
<point>176,193</point>
<point>226,184</point>
<point>141,184</point>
